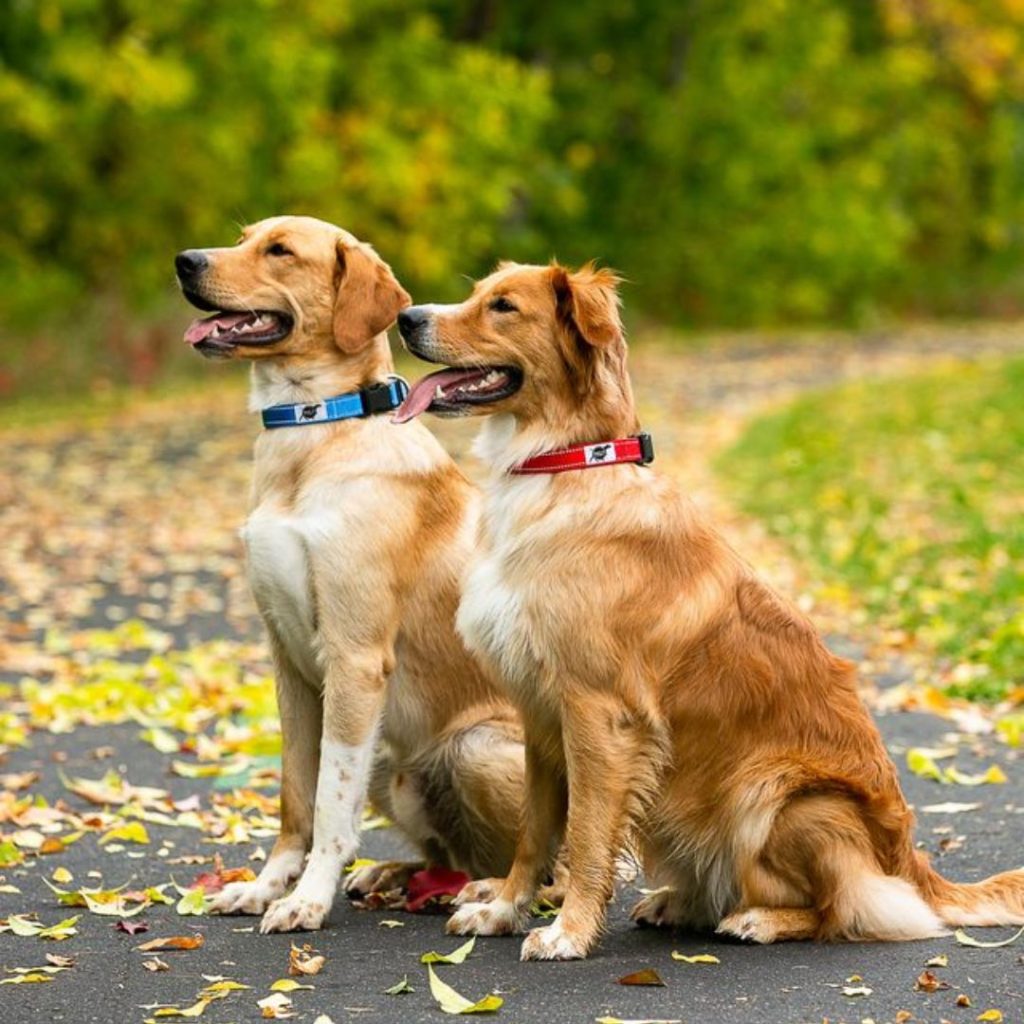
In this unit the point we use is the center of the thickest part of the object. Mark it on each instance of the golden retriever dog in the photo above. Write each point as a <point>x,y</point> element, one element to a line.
<point>669,697</point>
<point>358,533</point>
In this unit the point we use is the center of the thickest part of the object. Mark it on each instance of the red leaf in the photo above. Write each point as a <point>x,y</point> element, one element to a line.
<point>428,888</point>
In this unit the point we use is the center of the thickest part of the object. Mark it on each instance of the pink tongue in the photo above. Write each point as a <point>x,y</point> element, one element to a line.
<point>421,394</point>
<point>200,329</point>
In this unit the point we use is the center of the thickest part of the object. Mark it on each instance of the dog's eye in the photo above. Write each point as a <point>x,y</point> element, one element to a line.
<point>277,249</point>
<point>502,305</point>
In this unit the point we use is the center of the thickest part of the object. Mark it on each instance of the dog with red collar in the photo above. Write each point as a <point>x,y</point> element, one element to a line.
<point>670,699</point>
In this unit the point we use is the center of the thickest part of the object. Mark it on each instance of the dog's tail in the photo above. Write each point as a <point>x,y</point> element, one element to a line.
<point>998,900</point>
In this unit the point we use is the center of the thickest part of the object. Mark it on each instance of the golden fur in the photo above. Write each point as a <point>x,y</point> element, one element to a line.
<point>669,696</point>
<point>357,535</point>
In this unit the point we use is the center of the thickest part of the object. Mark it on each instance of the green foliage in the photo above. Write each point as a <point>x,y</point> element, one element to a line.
<point>749,164</point>
<point>909,495</point>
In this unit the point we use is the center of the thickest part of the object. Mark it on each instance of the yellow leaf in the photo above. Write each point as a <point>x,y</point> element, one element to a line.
<point>191,1011</point>
<point>994,774</point>
<point>700,958</point>
<point>991,1015</point>
<point>457,956</point>
<point>25,978</point>
<point>359,863</point>
<point>451,1001</point>
<point>922,764</point>
<point>287,985</point>
<point>62,875</point>
<point>132,832</point>
<point>968,940</point>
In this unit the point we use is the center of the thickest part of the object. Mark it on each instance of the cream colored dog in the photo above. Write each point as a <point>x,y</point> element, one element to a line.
<point>357,537</point>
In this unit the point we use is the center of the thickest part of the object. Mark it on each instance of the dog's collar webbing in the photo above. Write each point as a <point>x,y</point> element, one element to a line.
<point>383,397</point>
<point>638,449</point>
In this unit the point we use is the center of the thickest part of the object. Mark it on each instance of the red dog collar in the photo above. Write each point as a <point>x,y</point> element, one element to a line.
<point>639,449</point>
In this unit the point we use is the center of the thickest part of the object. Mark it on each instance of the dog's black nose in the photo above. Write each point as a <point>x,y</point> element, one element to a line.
<point>411,319</point>
<point>190,264</point>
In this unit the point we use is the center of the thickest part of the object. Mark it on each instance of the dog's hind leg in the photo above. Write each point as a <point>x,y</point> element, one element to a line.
<point>301,722</point>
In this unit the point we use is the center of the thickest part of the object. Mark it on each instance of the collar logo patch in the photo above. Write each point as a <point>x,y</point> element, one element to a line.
<point>313,412</point>
<point>595,454</point>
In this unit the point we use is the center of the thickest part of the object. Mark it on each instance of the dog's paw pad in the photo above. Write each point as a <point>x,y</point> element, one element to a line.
<point>553,943</point>
<point>748,926</point>
<point>242,898</point>
<point>293,914</point>
<point>486,919</point>
<point>657,910</point>
<point>484,890</point>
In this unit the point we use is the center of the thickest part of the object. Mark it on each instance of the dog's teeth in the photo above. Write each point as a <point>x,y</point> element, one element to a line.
<point>438,393</point>
<point>215,333</point>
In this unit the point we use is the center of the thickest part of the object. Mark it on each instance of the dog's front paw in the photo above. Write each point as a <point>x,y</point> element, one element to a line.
<point>658,909</point>
<point>294,913</point>
<point>752,925</point>
<point>243,898</point>
<point>554,943</point>
<point>483,890</point>
<point>380,877</point>
<point>497,918</point>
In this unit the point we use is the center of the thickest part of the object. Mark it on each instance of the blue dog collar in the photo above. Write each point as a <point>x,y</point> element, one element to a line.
<point>355,405</point>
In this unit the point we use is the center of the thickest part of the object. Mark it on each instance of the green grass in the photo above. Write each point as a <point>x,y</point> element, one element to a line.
<point>907,497</point>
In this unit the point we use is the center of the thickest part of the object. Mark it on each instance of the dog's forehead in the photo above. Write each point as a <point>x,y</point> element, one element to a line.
<point>296,228</point>
<point>511,275</point>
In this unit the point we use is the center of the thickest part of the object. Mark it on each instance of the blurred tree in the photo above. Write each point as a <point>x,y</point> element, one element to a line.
<point>132,129</point>
<point>742,163</point>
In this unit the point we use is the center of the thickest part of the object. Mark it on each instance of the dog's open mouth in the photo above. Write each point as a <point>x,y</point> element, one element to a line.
<point>226,330</point>
<point>451,391</point>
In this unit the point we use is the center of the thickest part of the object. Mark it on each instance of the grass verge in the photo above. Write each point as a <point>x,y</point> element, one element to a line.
<point>907,497</point>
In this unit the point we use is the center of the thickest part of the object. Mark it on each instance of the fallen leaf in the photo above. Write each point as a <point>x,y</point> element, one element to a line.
<point>433,886</point>
<point>644,1020</point>
<point>391,923</point>
<point>60,961</point>
<point>993,775</point>
<point>457,956</point>
<point>942,960</point>
<point>276,1006</point>
<point>287,985</point>
<point>399,988</point>
<point>156,964</point>
<point>648,976</point>
<point>453,1002</point>
<point>14,781</point>
<point>856,990</point>
<point>700,958</point>
<point>928,982</point>
<point>963,999</point>
<point>967,940</point>
<point>132,832</point>
<point>949,808</point>
<point>195,1010</point>
<point>922,763</point>
<point>991,1015</point>
<point>11,889</point>
<point>192,902</point>
<point>62,876</point>
<point>305,961</point>
<point>20,979</point>
<point>132,927</point>
<point>173,942</point>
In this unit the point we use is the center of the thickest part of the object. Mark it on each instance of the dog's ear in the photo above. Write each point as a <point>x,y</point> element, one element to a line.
<point>368,297</point>
<point>588,304</point>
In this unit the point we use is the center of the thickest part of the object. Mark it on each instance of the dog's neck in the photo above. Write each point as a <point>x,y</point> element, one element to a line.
<point>288,380</point>
<point>607,414</point>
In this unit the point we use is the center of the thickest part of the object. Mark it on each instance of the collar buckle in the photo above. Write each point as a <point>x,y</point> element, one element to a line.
<point>385,396</point>
<point>646,449</point>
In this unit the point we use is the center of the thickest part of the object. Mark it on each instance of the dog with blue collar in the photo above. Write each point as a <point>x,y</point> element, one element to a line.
<point>357,536</point>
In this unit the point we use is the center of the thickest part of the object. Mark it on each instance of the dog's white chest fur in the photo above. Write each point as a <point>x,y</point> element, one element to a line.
<point>495,618</point>
<point>281,577</point>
